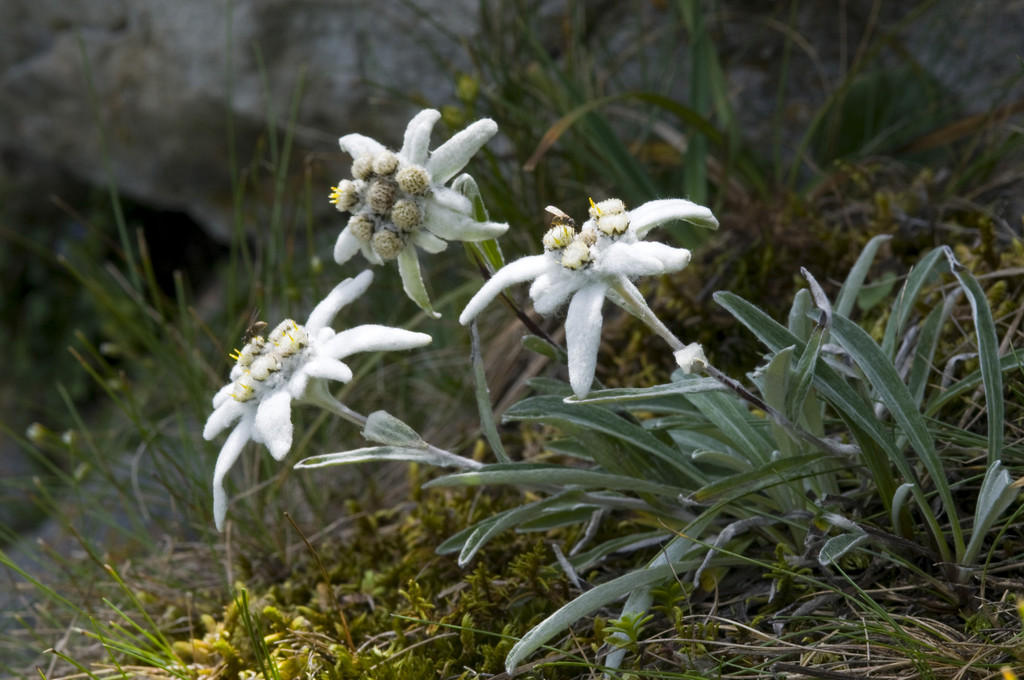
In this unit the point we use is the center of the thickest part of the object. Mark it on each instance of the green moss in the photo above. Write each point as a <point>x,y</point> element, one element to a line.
<point>411,613</point>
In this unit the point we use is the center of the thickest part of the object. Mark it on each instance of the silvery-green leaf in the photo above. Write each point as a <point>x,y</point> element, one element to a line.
<point>749,482</point>
<point>837,546</point>
<point>581,417</point>
<point>623,544</point>
<point>774,385</point>
<point>412,280</point>
<point>483,397</point>
<point>384,428</point>
<point>799,323</point>
<point>890,389</point>
<point>988,355</point>
<point>539,475</point>
<point>906,302</point>
<point>380,453</point>
<point>743,430</point>
<point>539,345</point>
<point>689,385</point>
<point>873,293</point>
<point>996,495</point>
<point>899,509</point>
<point>855,278</point>
<point>507,520</point>
<point>636,583</point>
<point>875,440</point>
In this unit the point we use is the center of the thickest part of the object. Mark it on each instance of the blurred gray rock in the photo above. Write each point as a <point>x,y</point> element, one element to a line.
<point>160,73</point>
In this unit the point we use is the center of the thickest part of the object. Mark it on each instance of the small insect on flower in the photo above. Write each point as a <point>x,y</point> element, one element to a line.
<point>561,232</point>
<point>560,218</point>
<point>254,328</point>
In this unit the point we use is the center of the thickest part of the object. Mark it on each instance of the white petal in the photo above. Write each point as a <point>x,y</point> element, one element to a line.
<point>343,294</point>
<point>466,185</point>
<point>228,455</point>
<point>357,145</point>
<point>373,338</point>
<point>523,269</point>
<point>417,136</point>
<point>446,218</point>
<point>321,336</point>
<point>553,288</point>
<point>222,416</point>
<point>649,215</point>
<point>643,258</point>
<point>224,393</point>
<point>583,336</point>
<point>430,243</point>
<point>449,158</point>
<point>346,246</point>
<point>451,200</point>
<point>296,385</point>
<point>273,425</point>
<point>370,254</point>
<point>327,368</point>
<point>412,280</point>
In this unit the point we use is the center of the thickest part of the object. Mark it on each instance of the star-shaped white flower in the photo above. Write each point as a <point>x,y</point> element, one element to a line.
<point>291,364</point>
<point>399,200</point>
<point>589,265</point>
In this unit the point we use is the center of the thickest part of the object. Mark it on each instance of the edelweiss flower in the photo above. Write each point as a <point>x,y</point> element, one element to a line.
<point>594,263</point>
<point>399,201</point>
<point>291,364</point>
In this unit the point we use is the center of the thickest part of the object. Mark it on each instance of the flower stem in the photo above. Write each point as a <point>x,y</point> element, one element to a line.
<point>319,396</point>
<point>635,304</point>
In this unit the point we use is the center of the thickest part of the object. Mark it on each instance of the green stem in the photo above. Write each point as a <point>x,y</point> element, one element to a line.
<point>634,303</point>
